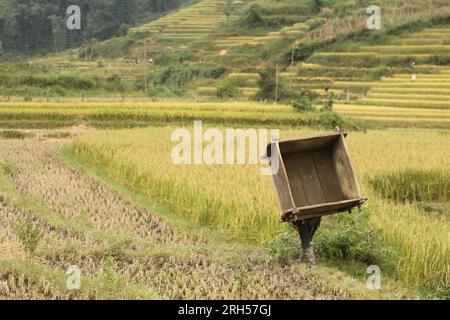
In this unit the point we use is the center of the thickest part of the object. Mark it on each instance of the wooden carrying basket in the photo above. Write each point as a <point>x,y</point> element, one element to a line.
<point>315,177</point>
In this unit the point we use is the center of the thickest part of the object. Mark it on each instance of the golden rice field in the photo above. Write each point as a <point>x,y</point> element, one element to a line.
<point>296,31</point>
<point>187,24</point>
<point>143,113</point>
<point>241,203</point>
<point>397,117</point>
<point>123,114</point>
<point>415,87</point>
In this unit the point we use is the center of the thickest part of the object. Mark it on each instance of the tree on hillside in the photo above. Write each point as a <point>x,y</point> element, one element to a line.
<point>253,16</point>
<point>317,5</point>
<point>228,8</point>
<point>267,83</point>
<point>57,24</point>
<point>34,26</point>
<point>123,11</point>
<point>271,89</point>
<point>102,25</point>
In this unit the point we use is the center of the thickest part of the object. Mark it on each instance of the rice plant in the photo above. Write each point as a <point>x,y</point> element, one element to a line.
<point>413,185</point>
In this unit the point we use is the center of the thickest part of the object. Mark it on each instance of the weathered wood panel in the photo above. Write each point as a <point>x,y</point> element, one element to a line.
<point>321,210</point>
<point>295,182</point>
<point>344,169</point>
<point>281,182</point>
<point>310,178</point>
<point>327,175</point>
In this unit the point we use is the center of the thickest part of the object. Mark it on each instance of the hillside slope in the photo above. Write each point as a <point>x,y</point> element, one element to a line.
<point>167,38</point>
<point>404,80</point>
<point>30,27</point>
<point>195,50</point>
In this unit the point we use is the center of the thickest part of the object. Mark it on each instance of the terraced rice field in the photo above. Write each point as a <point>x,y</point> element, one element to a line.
<point>425,91</point>
<point>397,117</point>
<point>131,114</point>
<point>115,114</point>
<point>68,64</point>
<point>417,97</point>
<point>169,33</point>
<point>188,24</point>
<point>295,31</point>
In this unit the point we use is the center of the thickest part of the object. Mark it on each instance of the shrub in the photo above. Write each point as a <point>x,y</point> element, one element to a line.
<point>399,62</point>
<point>329,102</point>
<point>29,235</point>
<point>306,50</point>
<point>116,47</point>
<point>314,24</point>
<point>6,166</point>
<point>317,5</point>
<point>114,83</point>
<point>278,22</point>
<point>123,30</point>
<point>268,86</point>
<point>285,247</point>
<point>267,83</point>
<point>330,120</point>
<point>89,51</point>
<point>253,17</point>
<point>341,237</point>
<point>350,236</point>
<point>381,72</point>
<point>440,59</point>
<point>59,91</point>
<point>217,73</point>
<point>304,102</point>
<point>228,89</point>
<point>156,90</point>
<point>177,75</point>
<point>111,281</point>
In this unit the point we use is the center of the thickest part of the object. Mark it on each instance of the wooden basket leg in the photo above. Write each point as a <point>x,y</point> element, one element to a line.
<point>306,230</point>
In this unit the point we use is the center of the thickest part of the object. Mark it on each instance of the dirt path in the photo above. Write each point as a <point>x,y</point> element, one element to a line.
<point>157,256</point>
